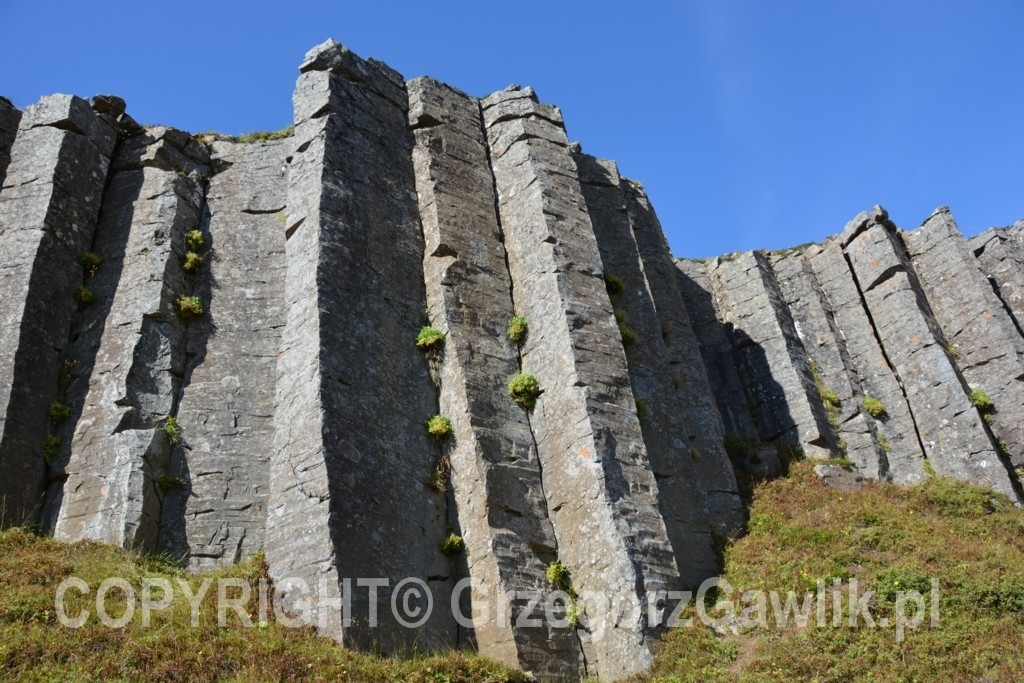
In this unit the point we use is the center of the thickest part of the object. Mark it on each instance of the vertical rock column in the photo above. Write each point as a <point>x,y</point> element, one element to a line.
<point>895,431</point>
<point>120,455</point>
<point>348,499</point>
<point>979,334</point>
<point>1000,254</point>
<point>495,473</point>
<point>227,399</point>
<point>772,362</point>
<point>826,347</point>
<point>600,489</point>
<point>701,418</point>
<point>950,428</point>
<point>675,460</point>
<point>48,209</point>
<point>715,349</point>
<point>9,118</point>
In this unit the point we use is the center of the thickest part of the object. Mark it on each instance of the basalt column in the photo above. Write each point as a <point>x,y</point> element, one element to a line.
<point>601,492</point>
<point>9,118</point>
<point>684,473</point>
<point>1000,255</point>
<point>950,428</point>
<point>980,336</point>
<point>120,452</point>
<point>48,210</point>
<point>492,457</point>
<point>215,509</point>
<point>349,512</point>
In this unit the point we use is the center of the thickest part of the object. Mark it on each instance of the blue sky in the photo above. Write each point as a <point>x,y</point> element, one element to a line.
<point>752,123</point>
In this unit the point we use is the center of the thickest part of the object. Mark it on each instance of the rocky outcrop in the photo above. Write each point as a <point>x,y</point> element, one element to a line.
<point>210,348</point>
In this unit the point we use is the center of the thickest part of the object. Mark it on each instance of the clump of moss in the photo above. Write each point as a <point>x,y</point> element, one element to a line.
<point>613,284</point>
<point>629,337</point>
<point>439,428</point>
<point>193,262</point>
<point>172,431</point>
<point>429,338</point>
<point>981,400</point>
<point>558,576</point>
<point>189,307</point>
<point>451,544</point>
<point>829,399</point>
<point>91,261</point>
<point>84,295</point>
<point>168,482</point>
<point>641,410</point>
<point>58,412</point>
<point>194,241</point>
<point>875,408</point>
<point>51,447</point>
<point>525,389</point>
<point>517,329</point>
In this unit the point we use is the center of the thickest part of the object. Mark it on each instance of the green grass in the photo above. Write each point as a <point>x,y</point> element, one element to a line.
<point>35,647</point>
<point>84,295</point>
<point>889,539</point>
<point>58,412</point>
<point>172,431</point>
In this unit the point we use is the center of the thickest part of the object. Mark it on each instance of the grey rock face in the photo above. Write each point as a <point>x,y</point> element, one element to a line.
<point>684,473</point>
<point>772,362</point>
<point>980,336</point>
<point>9,118</point>
<point>353,391</point>
<point>119,452</point>
<point>950,428</point>
<point>227,398</point>
<point>825,344</point>
<point>495,473</point>
<point>700,418</point>
<point>600,489</point>
<point>48,209</point>
<point>895,432</point>
<point>1000,255</point>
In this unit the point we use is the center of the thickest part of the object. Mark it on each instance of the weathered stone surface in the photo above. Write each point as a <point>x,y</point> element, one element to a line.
<point>715,349</point>
<point>675,460</point>
<point>227,398</point>
<point>816,326</point>
<point>902,458</point>
<point>700,416</point>
<point>980,336</point>
<point>9,118</point>
<point>600,489</point>
<point>353,391</point>
<point>1000,254</point>
<point>48,209</point>
<point>950,428</point>
<point>772,362</point>
<point>495,473</point>
<point>119,452</point>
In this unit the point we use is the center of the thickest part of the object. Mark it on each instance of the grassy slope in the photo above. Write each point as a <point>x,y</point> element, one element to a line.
<point>886,537</point>
<point>34,647</point>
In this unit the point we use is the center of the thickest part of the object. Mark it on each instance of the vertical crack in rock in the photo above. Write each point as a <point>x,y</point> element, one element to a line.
<point>772,361</point>
<point>495,472</point>
<point>951,431</point>
<point>816,325</point>
<point>701,419</point>
<point>120,455</point>
<point>685,474</point>
<point>48,210</point>
<point>601,492</point>
<point>227,396</point>
<point>895,432</point>
<point>353,391</point>
<point>981,338</point>
<point>1000,255</point>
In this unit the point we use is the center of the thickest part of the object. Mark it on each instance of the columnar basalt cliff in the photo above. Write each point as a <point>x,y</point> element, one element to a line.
<point>209,348</point>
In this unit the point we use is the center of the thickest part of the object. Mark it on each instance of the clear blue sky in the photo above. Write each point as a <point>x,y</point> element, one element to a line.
<point>752,123</point>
